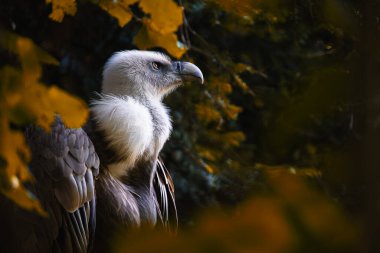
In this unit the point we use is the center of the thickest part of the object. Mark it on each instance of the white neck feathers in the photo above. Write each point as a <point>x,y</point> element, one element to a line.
<point>130,129</point>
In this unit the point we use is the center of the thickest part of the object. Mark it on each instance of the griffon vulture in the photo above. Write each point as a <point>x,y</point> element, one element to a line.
<point>94,179</point>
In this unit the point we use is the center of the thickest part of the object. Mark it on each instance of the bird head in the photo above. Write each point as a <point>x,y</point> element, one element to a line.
<point>145,73</point>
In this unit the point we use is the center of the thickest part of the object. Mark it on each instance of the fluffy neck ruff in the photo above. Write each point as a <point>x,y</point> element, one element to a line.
<point>134,130</point>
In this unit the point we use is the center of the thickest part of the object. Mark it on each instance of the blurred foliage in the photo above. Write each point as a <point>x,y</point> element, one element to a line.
<point>291,217</point>
<point>291,89</point>
<point>25,100</point>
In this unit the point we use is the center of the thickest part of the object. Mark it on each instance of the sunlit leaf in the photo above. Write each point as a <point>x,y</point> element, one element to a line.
<point>15,153</point>
<point>31,68</point>
<point>165,15</point>
<point>221,86</point>
<point>292,218</point>
<point>24,100</point>
<point>118,9</point>
<point>12,42</point>
<point>149,38</point>
<point>232,111</point>
<point>206,113</point>
<point>62,7</point>
<point>243,85</point>
<point>233,138</point>
<point>210,169</point>
<point>283,170</point>
<point>208,153</point>
<point>74,115</point>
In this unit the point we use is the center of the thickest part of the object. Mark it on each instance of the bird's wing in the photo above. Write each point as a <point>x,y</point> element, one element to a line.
<point>64,164</point>
<point>164,190</point>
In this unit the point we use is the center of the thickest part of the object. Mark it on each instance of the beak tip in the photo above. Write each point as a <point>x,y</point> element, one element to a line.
<point>191,72</point>
<point>202,79</point>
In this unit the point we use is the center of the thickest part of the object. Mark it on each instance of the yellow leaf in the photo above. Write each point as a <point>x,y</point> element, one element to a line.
<point>284,170</point>
<point>207,113</point>
<point>31,68</point>
<point>208,153</point>
<point>232,111</point>
<point>44,57</point>
<point>119,10</point>
<point>72,110</point>
<point>10,79</point>
<point>15,153</point>
<point>243,85</point>
<point>24,100</point>
<point>220,85</point>
<point>209,169</point>
<point>241,67</point>
<point>12,148</point>
<point>62,7</point>
<point>233,138</point>
<point>21,197</point>
<point>37,104</point>
<point>13,43</point>
<point>148,38</point>
<point>225,88</point>
<point>165,15</point>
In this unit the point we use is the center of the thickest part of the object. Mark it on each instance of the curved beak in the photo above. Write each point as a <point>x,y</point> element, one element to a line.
<point>188,71</point>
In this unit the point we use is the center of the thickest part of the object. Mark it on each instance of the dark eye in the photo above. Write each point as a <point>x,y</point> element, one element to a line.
<point>156,65</point>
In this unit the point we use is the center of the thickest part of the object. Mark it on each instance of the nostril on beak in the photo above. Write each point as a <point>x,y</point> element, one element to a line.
<point>179,67</point>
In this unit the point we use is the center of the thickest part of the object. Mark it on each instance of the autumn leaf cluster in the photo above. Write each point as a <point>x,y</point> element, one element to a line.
<point>25,100</point>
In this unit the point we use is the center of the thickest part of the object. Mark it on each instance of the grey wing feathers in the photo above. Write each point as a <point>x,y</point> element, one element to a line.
<point>66,160</point>
<point>164,190</point>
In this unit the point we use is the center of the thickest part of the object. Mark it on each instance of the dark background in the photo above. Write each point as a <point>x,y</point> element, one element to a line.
<point>311,104</point>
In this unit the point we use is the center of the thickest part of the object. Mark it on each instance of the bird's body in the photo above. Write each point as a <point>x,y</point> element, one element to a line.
<point>107,175</point>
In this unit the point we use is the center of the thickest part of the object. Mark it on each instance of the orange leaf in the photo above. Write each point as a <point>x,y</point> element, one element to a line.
<point>166,15</point>
<point>62,7</point>
<point>232,111</point>
<point>207,113</point>
<point>148,38</point>
<point>119,10</point>
<point>73,110</point>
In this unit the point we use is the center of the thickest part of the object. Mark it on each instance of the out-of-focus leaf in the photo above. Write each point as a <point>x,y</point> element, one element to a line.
<point>118,9</point>
<point>219,85</point>
<point>210,169</point>
<point>75,115</point>
<point>12,42</point>
<point>207,114</point>
<point>233,138</point>
<point>32,70</point>
<point>60,8</point>
<point>208,153</point>
<point>243,85</point>
<point>241,67</point>
<point>293,218</point>
<point>159,29</point>
<point>165,15</point>
<point>24,100</point>
<point>36,104</point>
<point>232,111</point>
<point>15,153</point>
<point>149,38</point>
<point>288,170</point>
